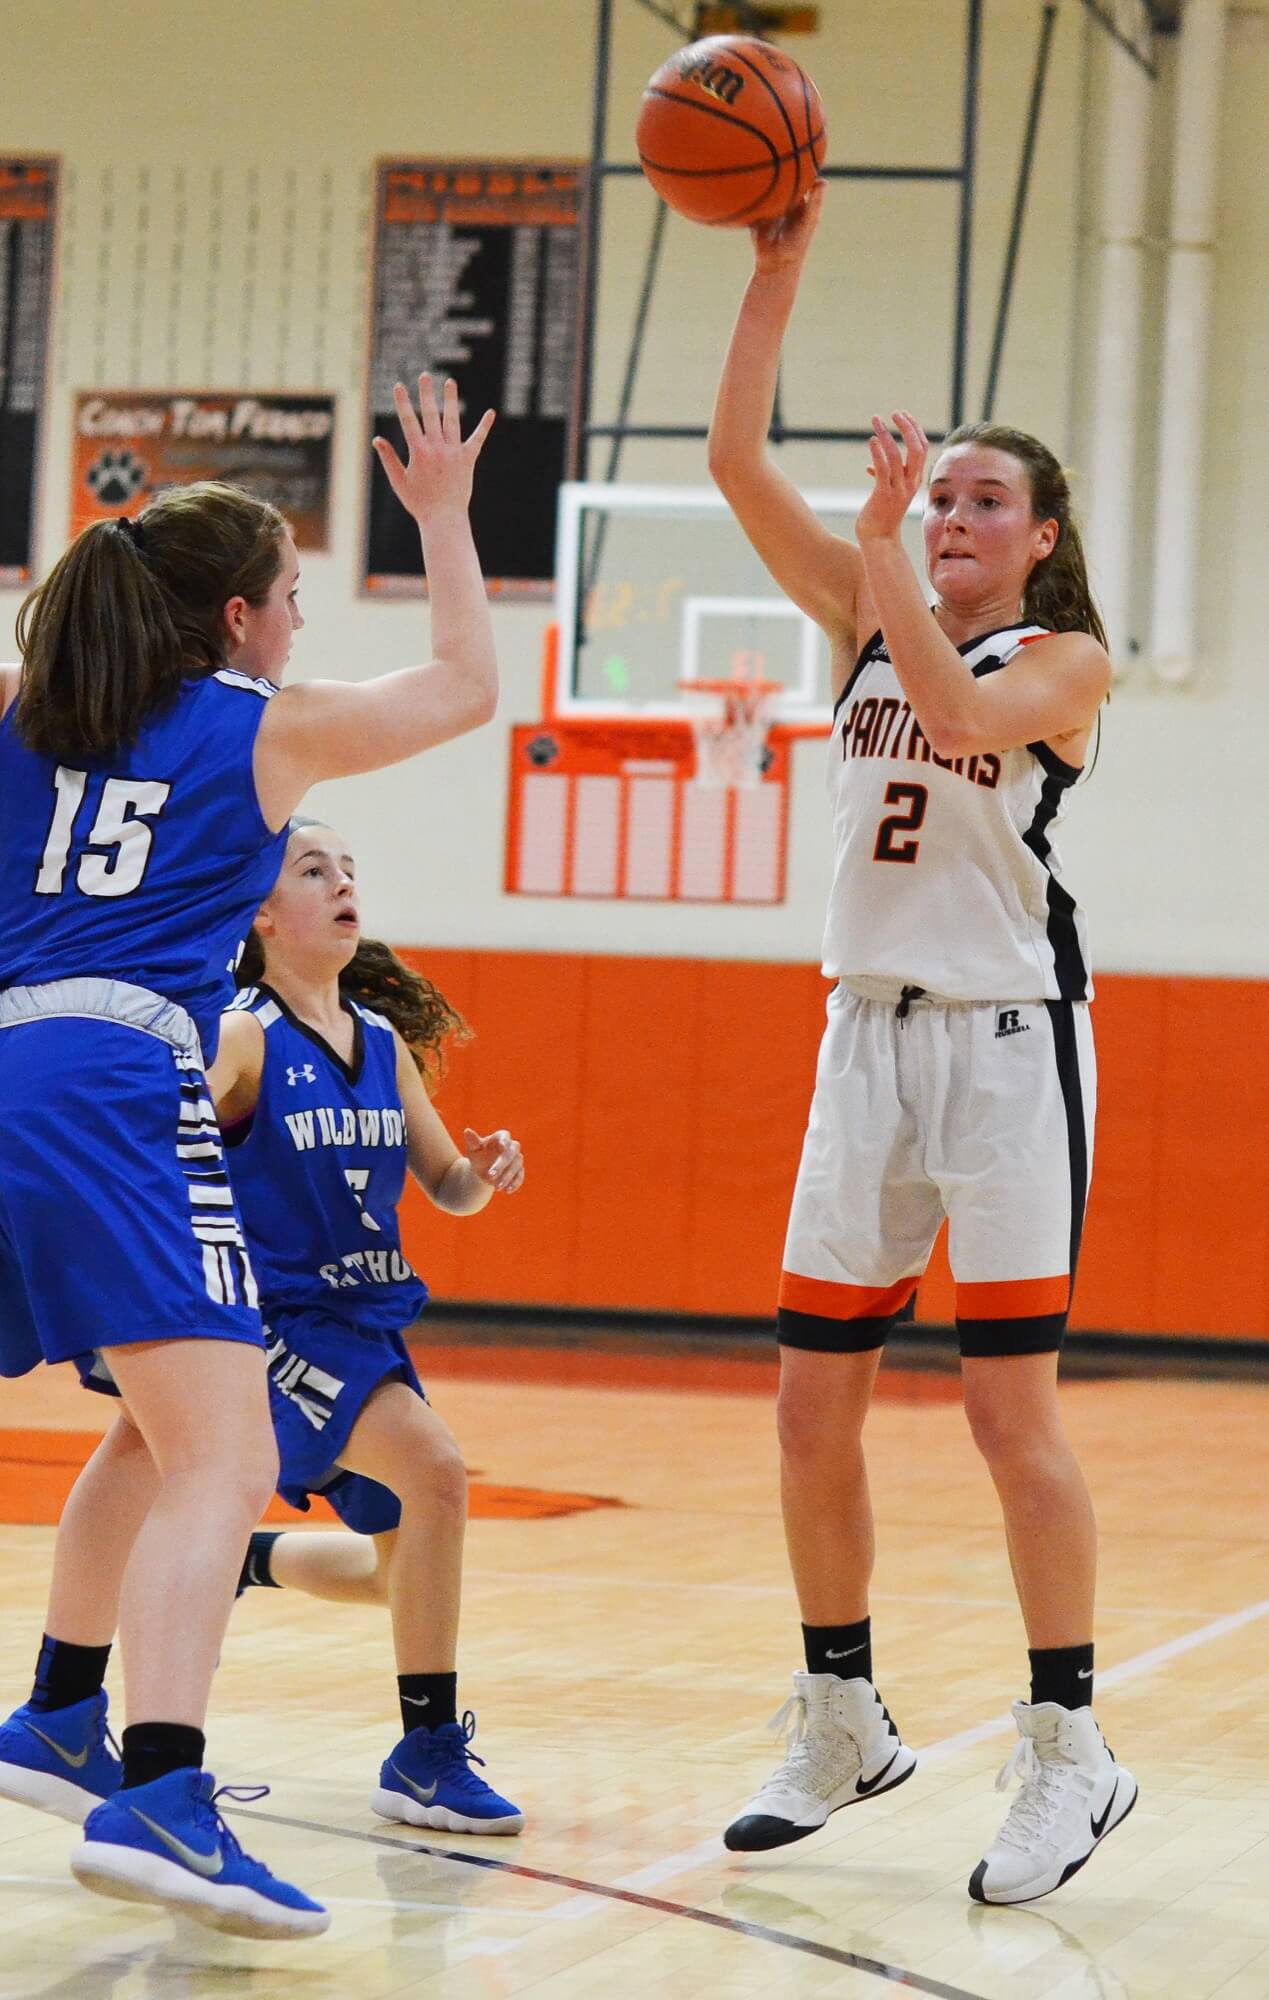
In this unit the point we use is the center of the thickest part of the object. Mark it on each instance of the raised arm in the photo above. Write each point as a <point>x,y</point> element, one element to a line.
<point>331,729</point>
<point>818,570</point>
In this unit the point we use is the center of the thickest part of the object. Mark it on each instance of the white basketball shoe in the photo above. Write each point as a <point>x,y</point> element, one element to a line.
<point>1072,1795</point>
<point>841,1747</point>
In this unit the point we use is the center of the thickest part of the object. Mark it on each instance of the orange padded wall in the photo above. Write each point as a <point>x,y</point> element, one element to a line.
<point>660,1103</point>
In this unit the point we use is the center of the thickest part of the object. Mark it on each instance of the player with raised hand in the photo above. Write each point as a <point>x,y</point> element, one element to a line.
<point>956,1074</point>
<point>149,766</point>
<point>319,1088</point>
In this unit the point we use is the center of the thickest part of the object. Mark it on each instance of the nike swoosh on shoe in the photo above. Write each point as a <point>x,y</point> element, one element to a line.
<point>75,1758</point>
<point>1099,1825</point>
<point>865,1785</point>
<point>202,1864</point>
<point>423,1793</point>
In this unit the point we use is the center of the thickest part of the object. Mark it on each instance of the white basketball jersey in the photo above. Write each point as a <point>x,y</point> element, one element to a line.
<point>946,876</point>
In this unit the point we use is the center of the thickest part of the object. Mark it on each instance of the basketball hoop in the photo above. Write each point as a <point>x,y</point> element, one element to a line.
<point>731,744</point>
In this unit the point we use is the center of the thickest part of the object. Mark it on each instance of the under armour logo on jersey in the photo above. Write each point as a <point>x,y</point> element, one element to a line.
<point>1009,1022</point>
<point>305,1074</point>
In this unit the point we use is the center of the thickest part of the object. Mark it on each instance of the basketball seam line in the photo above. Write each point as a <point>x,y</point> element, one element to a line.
<point>722,173</point>
<point>773,93</point>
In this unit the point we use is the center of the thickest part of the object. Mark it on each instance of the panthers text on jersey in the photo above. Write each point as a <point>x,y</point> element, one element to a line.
<point>945,873</point>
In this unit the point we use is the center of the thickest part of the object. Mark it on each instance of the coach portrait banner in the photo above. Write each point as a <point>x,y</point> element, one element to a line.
<point>475,274</point>
<point>28,208</point>
<point>130,442</point>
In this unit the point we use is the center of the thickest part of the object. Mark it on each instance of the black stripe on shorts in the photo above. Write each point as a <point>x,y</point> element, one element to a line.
<point>831,1336</point>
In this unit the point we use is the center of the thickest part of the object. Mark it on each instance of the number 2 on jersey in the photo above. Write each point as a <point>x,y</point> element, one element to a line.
<point>892,848</point>
<point>127,806</point>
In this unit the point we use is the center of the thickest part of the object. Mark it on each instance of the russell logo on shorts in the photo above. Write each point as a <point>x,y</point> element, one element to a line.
<point>1008,1022</point>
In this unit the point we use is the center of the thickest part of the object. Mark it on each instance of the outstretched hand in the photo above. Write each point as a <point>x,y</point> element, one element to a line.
<point>896,475</point>
<point>496,1158</point>
<point>782,245</point>
<point>436,477</point>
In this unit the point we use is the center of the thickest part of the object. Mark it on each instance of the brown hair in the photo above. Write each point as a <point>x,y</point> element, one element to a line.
<point>1058,593</point>
<point>133,609</point>
<point>376,978</point>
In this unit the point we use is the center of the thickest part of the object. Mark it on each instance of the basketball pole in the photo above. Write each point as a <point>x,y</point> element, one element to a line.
<point>579,454</point>
<point>964,234</point>
<point>1021,195</point>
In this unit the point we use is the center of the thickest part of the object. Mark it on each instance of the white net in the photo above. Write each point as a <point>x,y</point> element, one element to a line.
<point>731,742</point>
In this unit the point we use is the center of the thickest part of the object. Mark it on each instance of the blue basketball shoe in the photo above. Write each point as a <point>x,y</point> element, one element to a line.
<point>166,1843</point>
<point>63,1760</point>
<point>428,1780</point>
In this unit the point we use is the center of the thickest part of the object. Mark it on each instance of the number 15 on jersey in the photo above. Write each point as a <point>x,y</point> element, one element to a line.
<point>122,822</point>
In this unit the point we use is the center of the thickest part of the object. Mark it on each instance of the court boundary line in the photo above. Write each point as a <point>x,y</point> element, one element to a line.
<point>895,1975</point>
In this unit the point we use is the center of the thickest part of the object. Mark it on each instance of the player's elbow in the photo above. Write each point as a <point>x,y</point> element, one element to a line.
<point>731,468</point>
<point>472,698</point>
<point>485,705</point>
<point>952,735</point>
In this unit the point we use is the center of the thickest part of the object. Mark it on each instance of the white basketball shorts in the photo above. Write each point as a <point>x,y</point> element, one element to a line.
<point>923,1108</point>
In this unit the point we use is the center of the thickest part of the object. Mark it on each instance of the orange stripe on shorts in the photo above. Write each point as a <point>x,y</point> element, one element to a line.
<point>1014,1298</point>
<point>829,1301</point>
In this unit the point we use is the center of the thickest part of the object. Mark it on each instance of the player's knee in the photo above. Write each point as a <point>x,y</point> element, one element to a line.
<point>805,1428</point>
<point>436,1477</point>
<point>253,1480</point>
<point>449,1479</point>
<point>1011,1442</point>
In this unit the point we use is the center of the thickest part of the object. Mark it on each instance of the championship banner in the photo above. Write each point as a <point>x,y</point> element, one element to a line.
<point>476,274</point>
<point>28,208</point>
<point>128,443</point>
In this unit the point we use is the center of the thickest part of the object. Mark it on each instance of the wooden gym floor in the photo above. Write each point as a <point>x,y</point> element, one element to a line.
<point>622,1660</point>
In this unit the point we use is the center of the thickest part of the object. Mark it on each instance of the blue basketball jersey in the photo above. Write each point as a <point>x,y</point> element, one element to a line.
<point>146,867</point>
<point>320,1169</point>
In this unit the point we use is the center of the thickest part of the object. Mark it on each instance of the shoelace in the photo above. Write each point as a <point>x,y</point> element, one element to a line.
<point>811,1763</point>
<point>1032,1812</point>
<point>789,1721</point>
<point>207,1810</point>
<point>458,1751</point>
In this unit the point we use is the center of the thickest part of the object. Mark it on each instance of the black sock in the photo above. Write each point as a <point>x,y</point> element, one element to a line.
<point>65,1674</point>
<point>844,1650</point>
<point>152,1749</point>
<point>1063,1674</point>
<point>258,1566</point>
<point>427,1700</point>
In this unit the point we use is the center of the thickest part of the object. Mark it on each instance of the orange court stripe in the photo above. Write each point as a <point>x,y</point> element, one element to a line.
<point>39,1467</point>
<point>1014,1298</point>
<point>832,1301</point>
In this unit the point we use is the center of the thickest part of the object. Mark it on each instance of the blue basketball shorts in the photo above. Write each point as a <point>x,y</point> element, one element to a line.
<point>117,1220</point>
<point>322,1372</point>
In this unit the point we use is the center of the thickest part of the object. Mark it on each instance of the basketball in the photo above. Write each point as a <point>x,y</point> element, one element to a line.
<point>731,131</point>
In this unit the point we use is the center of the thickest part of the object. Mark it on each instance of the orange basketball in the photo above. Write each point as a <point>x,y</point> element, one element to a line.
<point>731,131</point>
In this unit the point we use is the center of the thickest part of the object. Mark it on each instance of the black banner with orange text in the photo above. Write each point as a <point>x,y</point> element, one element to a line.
<point>28,214</point>
<point>476,274</point>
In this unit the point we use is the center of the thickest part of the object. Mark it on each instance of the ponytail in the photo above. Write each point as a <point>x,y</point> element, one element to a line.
<point>99,648</point>
<point>1058,593</point>
<point>135,608</point>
